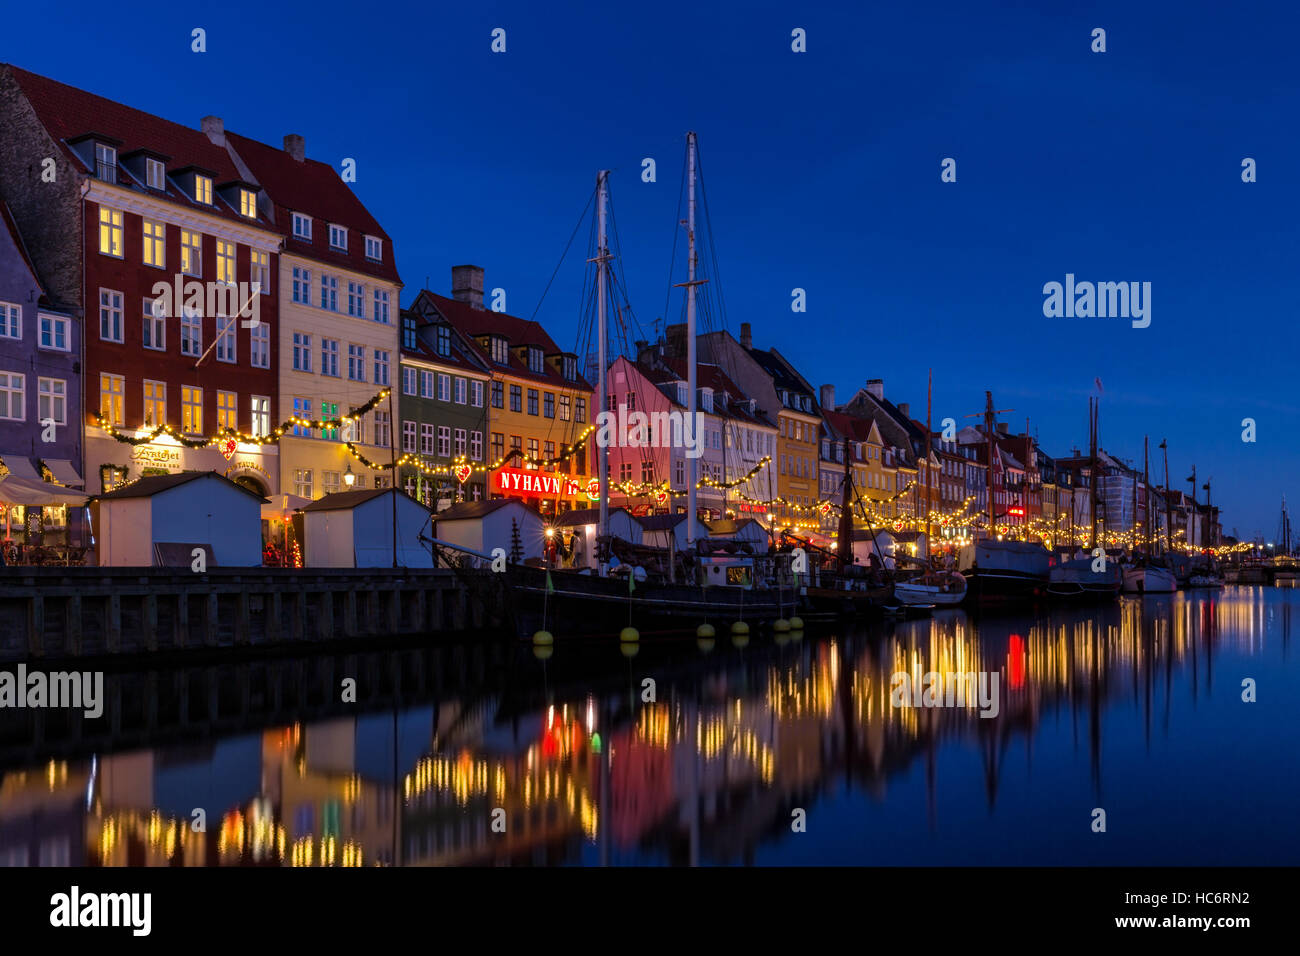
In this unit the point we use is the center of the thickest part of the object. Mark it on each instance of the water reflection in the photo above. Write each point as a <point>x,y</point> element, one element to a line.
<point>566,759</point>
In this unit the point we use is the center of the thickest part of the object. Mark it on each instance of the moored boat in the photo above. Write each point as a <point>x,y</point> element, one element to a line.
<point>940,588</point>
<point>1079,580</point>
<point>999,572</point>
<point>1149,579</point>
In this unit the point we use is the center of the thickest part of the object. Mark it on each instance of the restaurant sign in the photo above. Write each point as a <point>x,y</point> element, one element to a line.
<point>156,456</point>
<point>520,481</point>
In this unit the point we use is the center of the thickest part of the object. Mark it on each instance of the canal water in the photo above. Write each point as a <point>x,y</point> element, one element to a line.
<point>786,750</point>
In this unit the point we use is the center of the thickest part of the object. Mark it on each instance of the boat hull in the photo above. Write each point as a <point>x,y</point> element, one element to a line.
<point>1076,582</point>
<point>1149,581</point>
<point>907,592</point>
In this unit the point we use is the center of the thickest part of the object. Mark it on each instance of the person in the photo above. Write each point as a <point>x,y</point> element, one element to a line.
<point>271,555</point>
<point>549,552</point>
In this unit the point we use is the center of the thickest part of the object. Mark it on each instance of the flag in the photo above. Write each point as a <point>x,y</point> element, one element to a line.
<point>550,586</point>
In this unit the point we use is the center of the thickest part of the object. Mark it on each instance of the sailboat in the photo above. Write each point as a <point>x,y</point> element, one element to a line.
<point>710,581</point>
<point>1147,574</point>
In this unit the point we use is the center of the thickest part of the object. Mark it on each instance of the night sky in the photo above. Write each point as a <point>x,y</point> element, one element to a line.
<point>823,173</point>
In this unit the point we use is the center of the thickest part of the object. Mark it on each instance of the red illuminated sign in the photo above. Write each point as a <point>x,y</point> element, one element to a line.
<point>520,481</point>
<point>1016,511</point>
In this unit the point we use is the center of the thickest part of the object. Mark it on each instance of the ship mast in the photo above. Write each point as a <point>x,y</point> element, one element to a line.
<point>692,399</point>
<point>1146,489</point>
<point>1164,446</point>
<point>602,255</point>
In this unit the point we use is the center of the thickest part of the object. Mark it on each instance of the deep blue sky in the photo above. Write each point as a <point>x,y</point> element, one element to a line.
<point>823,173</point>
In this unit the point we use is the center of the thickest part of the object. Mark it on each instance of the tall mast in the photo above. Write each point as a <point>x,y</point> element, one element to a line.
<point>929,451</point>
<point>1146,488</point>
<point>1195,525</point>
<point>988,431</point>
<point>1169,544</point>
<point>690,334</point>
<point>601,334</point>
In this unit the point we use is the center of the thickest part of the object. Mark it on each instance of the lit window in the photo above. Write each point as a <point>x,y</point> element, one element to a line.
<point>225,261</point>
<point>261,416</point>
<point>248,203</point>
<point>203,189</point>
<point>110,315</point>
<point>302,482</point>
<point>500,350</point>
<point>110,231</point>
<point>13,405</point>
<point>227,415</point>
<point>259,269</point>
<point>155,404</point>
<point>191,252</point>
<point>191,410</point>
<point>329,411</point>
<point>155,244</point>
<point>112,388</point>
<point>302,409</point>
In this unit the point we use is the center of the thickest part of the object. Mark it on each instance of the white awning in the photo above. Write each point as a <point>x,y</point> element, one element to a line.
<point>21,491</point>
<point>21,467</point>
<point>64,472</point>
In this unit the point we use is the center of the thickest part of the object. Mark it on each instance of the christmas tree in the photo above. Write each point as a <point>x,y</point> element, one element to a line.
<point>516,546</point>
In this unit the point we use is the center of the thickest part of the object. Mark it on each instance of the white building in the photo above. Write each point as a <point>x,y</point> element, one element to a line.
<point>483,526</point>
<point>354,529</point>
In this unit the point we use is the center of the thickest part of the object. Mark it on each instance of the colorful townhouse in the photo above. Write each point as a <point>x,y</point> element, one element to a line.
<point>540,413</point>
<point>156,206</point>
<point>40,391</point>
<point>442,410</point>
<point>904,445</point>
<point>337,334</point>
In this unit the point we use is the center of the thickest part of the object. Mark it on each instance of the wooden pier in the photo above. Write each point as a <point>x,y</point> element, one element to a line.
<point>56,613</point>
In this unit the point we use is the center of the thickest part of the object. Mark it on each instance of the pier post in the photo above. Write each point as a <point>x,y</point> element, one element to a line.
<point>36,625</point>
<point>417,611</point>
<point>439,610</point>
<point>326,628</point>
<point>149,621</point>
<point>394,610</point>
<point>242,622</point>
<point>210,620</point>
<point>273,623</point>
<point>181,626</point>
<point>460,609</point>
<point>113,611</point>
<point>72,612</point>
<point>299,631</point>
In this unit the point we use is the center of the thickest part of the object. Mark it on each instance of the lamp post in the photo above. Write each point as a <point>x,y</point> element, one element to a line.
<point>349,479</point>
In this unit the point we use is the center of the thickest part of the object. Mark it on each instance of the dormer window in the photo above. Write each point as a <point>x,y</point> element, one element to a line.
<point>374,248</point>
<point>500,349</point>
<point>248,203</point>
<point>408,332</point>
<point>203,189</point>
<point>706,399</point>
<point>570,369</point>
<point>105,163</point>
<point>444,340</point>
<point>681,393</point>
<point>339,237</point>
<point>155,174</point>
<point>301,226</point>
<point>534,359</point>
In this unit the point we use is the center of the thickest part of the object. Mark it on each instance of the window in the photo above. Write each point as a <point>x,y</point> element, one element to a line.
<point>248,203</point>
<point>356,363</point>
<point>381,367</point>
<point>331,482</point>
<point>338,237</point>
<point>260,409</point>
<point>302,285</point>
<point>679,468</point>
<point>259,270</point>
<point>381,307</point>
<point>426,384</point>
<point>580,410</point>
<point>302,482</point>
<point>426,439</point>
<point>564,408</point>
<point>624,471</point>
<point>532,401</point>
<point>155,244</point>
<point>442,338</point>
<point>259,345</point>
<point>155,174</point>
<point>329,357</point>
<point>498,395</point>
<point>203,189</point>
<point>548,404</point>
<point>227,410</point>
<point>329,293</point>
<point>444,388</point>
<point>460,443</point>
<point>533,450</point>
<point>383,429</point>
<point>191,252</point>
<point>301,226</point>
<point>462,389</point>
<point>225,261</point>
<point>154,335</point>
<point>301,352</point>
<point>54,332</point>
<point>647,472</point>
<point>105,163</point>
<point>329,411</point>
<point>570,368</point>
<point>191,333</point>
<point>476,394</point>
<point>498,446</point>
<point>191,410</point>
<point>408,437</point>
<point>357,300</point>
<point>52,402</point>
<point>11,321</point>
<point>110,315</point>
<point>476,445</point>
<point>548,450</point>
<point>155,404</point>
<point>110,231</point>
<point>408,332</point>
<point>302,410</point>
<point>226,339</point>
<point>534,359</point>
<point>516,398</point>
<point>500,350</point>
<point>374,248</point>
<point>408,380</point>
<point>13,405</point>
<point>444,441</point>
<point>354,430</point>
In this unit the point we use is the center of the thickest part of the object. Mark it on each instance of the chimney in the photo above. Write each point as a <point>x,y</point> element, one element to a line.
<point>746,336</point>
<point>828,397</point>
<point>295,146</point>
<point>876,386</point>
<point>215,129</point>
<point>1004,428</point>
<point>905,408</point>
<point>467,285</point>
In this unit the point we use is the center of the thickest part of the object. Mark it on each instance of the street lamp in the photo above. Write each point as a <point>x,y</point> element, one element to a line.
<point>348,477</point>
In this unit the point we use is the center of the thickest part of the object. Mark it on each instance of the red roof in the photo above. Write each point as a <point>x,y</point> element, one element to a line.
<point>315,189</point>
<point>472,323</point>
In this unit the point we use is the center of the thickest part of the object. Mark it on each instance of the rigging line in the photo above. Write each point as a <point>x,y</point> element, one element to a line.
<point>713,249</point>
<point>677,228</point>
<point>576,227</point>
<point>620,280</point>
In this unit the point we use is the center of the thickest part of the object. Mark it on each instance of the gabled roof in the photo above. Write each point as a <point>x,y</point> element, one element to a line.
<point>68,113</point>
<point>474,322</point>
<point>578,516</point>
<point>471,510</point>
<point>315,189</point>
<point>11,227</point>
<point>347,500</point>
<point>156,484</point>
<point>465,354</point>
<point>784,376</point>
